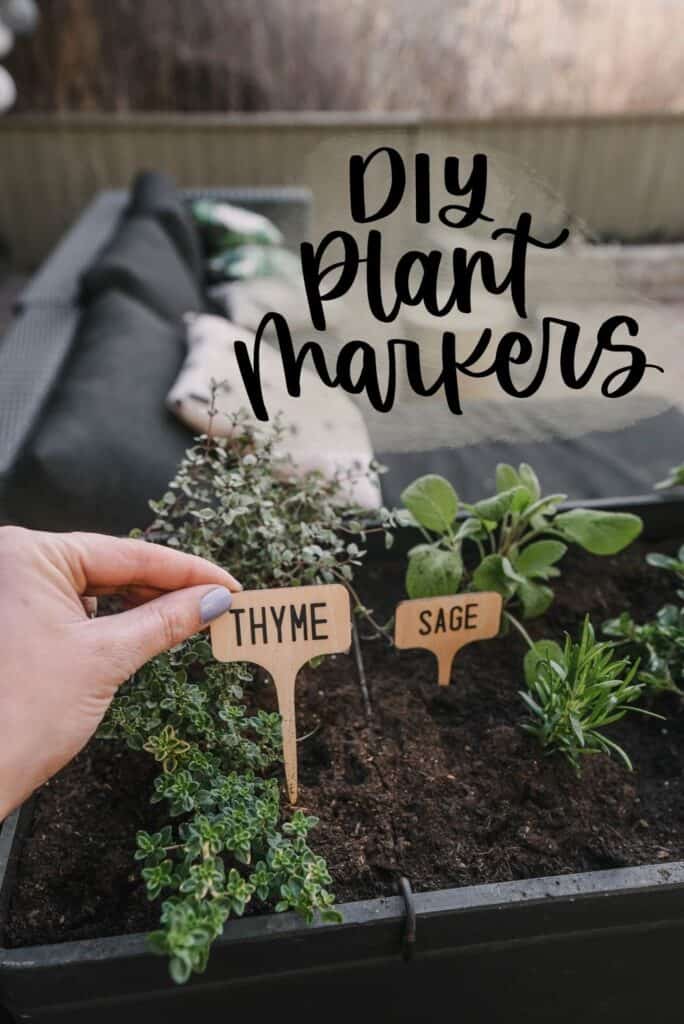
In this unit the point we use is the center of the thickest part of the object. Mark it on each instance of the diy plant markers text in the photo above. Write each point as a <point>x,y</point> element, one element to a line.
<point>331,268</point>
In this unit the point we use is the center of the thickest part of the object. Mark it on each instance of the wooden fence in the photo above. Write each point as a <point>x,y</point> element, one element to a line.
<point>621,176</point>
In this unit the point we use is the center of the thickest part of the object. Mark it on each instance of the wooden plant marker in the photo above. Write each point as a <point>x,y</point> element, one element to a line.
<point>280,630</point>
<point>444,625</point>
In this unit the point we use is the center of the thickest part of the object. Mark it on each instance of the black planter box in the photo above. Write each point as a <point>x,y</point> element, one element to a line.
<point>595,947</point>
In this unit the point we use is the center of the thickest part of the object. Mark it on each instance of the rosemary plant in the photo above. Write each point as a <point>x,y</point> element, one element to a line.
<point>573,692</point>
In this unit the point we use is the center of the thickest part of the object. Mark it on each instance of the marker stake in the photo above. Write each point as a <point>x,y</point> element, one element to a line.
<point>444,625</point>
<point>281,630</point>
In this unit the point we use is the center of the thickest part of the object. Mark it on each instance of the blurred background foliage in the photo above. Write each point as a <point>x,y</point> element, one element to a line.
<point>455,58</point>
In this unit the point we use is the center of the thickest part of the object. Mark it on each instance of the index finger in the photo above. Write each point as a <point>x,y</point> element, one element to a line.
<point>100,563</point>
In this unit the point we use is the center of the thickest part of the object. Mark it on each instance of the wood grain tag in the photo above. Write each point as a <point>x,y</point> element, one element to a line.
<point>444,625</point>
<point>281,630</point>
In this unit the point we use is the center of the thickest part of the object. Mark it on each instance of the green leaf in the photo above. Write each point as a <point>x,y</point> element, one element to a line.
<point>522,500</point>
<point>432,502</point>
<point>506,477</point>
<point>433,572</point>
<point>675,478</point>
<point>179,969</point>
<point>495,508</point>
<point>331,916</point>
<point>576,727</point>
<point>495,572</point>
<point>530,480</point>
<point>538,510</point>
<point>659,561</point>
<point>622,626</point>
<point>470,527</point>
<point>543,650</point>
<point>157,941</point>
<point>601,533</point>
<point>617,750</point>
<point>535,598</point>
<point>536,558</point>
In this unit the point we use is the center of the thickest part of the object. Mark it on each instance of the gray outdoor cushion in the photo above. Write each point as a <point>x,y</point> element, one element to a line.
<point>142,261</point>
<point>154,195</point>
<point>105,444</point>
<point>33,352</point>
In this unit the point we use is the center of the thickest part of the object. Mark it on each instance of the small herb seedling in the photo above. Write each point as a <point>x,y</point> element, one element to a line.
<point>515,538</point>
<point>675,478</point>
<point>659,644</point>
<point>669,564</point>
<point>573,692</point>
<point>281,629</point>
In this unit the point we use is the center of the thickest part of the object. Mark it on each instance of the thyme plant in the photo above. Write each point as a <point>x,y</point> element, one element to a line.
<point>515,538</point>
<point>573,692</point>
<point>241,505</point>
<point>227,841</point>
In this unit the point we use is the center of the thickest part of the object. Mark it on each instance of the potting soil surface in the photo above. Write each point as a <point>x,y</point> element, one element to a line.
<point>440,785</point>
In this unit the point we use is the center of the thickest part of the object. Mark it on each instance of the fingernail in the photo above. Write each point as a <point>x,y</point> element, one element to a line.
<point>215,603</point>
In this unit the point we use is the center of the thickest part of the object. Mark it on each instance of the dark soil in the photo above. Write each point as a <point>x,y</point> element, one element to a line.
<point>442,785</point>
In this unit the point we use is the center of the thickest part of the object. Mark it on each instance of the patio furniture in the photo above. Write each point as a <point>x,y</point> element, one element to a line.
<point>95,344</point>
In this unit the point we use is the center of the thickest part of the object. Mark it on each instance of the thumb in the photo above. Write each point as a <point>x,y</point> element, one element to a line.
<point>133,637</point>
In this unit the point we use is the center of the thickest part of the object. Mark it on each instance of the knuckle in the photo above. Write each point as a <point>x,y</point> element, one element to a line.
<point>170,624</point>
<point>77,541</point>
<point>77,536</point>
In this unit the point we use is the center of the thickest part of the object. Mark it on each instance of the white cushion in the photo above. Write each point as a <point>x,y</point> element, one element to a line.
<point>247,302</point>
<point>324,428</point>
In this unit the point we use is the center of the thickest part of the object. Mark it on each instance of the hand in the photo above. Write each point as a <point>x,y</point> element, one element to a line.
<point>60,668</point>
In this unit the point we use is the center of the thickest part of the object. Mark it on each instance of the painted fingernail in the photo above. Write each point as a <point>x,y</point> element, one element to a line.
<point>215,603</point>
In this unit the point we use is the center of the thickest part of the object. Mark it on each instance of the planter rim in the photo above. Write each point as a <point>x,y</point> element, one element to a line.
<point>574,887</point>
